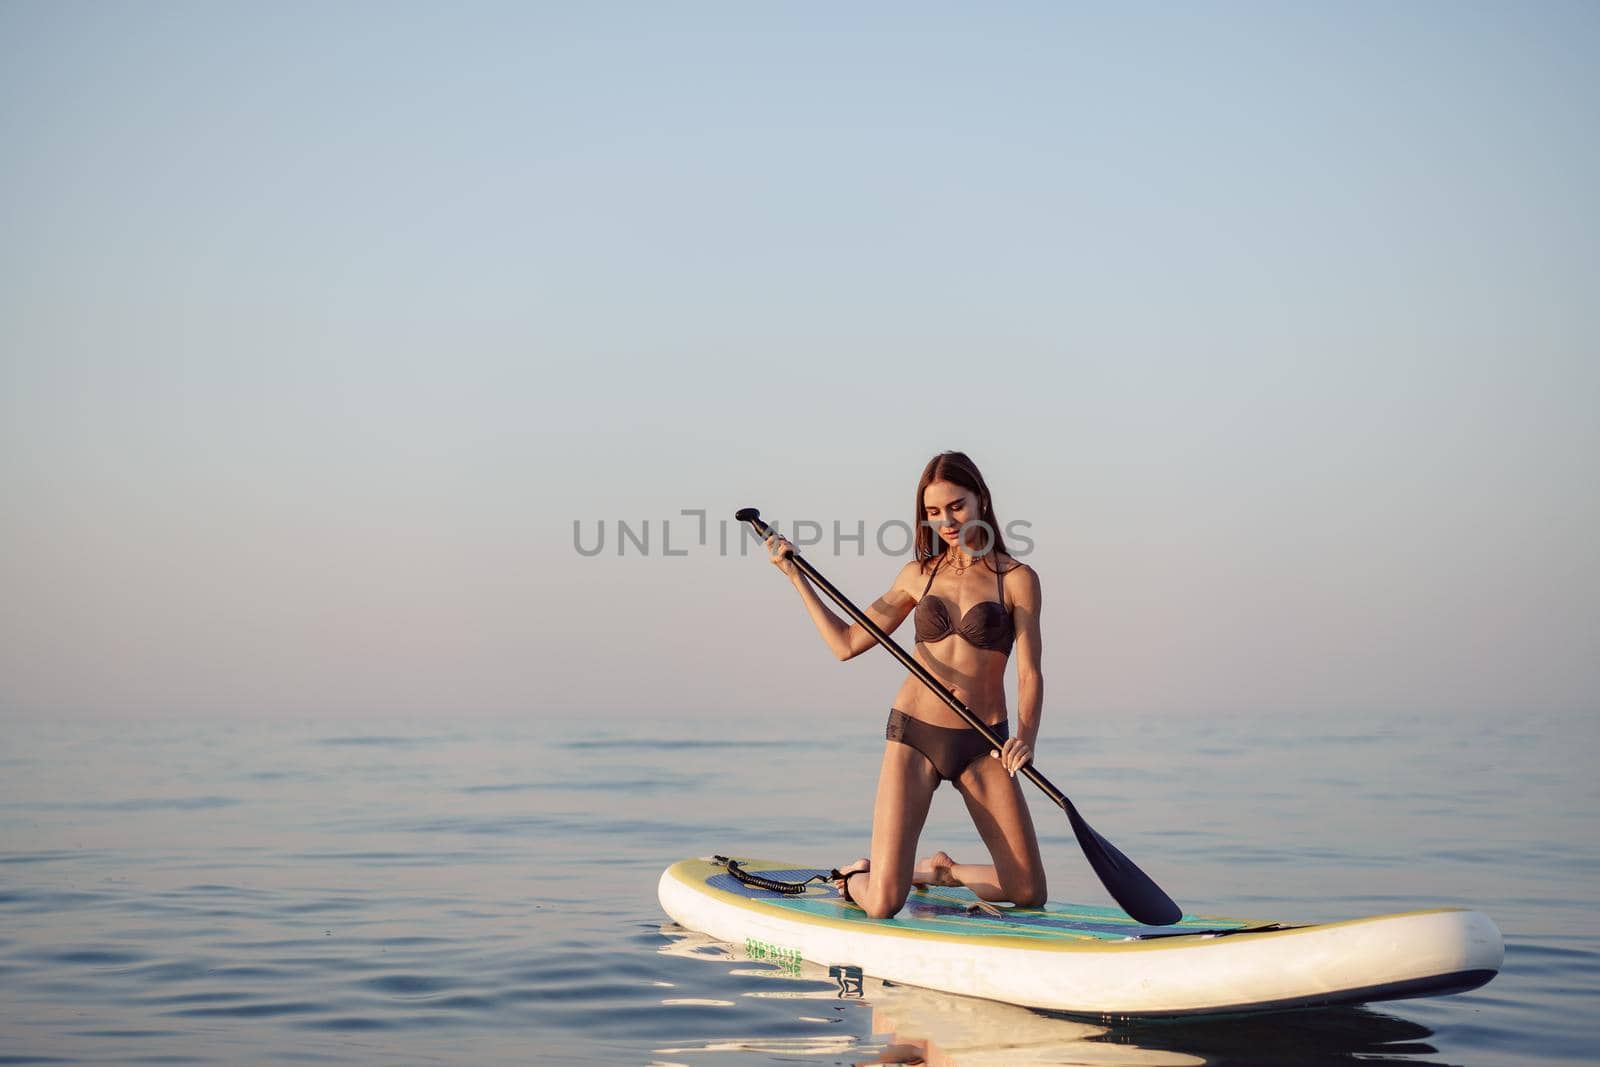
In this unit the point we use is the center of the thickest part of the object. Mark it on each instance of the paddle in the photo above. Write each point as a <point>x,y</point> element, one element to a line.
<point>1128,885</point>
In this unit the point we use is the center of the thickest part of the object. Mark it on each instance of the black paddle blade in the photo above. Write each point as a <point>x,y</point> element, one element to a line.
<point>1128,885</point>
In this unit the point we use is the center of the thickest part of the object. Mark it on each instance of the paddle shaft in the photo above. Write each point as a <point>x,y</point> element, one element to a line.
<point>1139,896</point>
<point>911,664</point>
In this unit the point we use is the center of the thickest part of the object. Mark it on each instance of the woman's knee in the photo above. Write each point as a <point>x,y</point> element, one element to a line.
<point>1029,891</point>
<point>884,904</point>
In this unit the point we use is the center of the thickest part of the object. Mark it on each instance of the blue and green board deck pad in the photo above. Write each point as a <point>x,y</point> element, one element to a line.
<point>1084,959</point>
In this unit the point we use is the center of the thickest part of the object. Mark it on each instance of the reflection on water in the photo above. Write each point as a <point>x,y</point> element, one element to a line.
<point>912,1025</point>
<point>1308,1038</point>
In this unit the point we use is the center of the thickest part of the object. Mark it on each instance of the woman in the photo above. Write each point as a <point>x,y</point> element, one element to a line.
<point>972,601</point>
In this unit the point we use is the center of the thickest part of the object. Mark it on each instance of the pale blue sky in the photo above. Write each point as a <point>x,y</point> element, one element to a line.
<point>319,327</point>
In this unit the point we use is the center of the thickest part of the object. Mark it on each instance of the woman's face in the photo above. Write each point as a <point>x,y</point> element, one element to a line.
<point>948,506</point>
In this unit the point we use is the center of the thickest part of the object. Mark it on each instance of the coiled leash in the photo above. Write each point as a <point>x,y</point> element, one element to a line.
<point>773,885</point>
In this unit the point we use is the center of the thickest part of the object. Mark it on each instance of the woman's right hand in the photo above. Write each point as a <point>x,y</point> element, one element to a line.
<point>778,548</point>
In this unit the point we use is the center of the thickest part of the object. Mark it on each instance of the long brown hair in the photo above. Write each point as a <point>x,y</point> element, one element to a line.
<point>958,469</point>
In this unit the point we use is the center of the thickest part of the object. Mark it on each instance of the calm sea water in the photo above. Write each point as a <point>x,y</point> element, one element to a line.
<point>484,892</point>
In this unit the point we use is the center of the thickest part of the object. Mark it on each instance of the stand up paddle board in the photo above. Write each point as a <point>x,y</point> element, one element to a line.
<point>1083,959</point>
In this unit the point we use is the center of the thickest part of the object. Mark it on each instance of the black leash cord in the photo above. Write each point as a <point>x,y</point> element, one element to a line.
<point>771,885</point>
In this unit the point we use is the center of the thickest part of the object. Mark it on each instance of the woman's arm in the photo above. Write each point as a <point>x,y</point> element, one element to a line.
<point>847,640</point>
<point>1026,599</point>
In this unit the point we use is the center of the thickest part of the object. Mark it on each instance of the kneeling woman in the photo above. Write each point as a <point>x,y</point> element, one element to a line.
<point>972,601</point>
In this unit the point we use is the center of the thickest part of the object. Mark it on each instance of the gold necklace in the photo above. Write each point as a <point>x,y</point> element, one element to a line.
<point>960,561</point>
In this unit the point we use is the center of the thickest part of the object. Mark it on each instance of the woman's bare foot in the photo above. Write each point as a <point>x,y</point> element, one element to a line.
<point>862,864</point>
<point>935,870</point>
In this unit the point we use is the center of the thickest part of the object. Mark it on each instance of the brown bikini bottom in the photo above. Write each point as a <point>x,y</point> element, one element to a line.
<point>948,748</point>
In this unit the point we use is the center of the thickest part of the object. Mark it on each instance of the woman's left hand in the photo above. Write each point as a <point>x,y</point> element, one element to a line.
<point>1015,753</point>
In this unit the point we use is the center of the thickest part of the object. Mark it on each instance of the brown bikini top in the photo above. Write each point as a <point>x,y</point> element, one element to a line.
<point>987,625</point>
